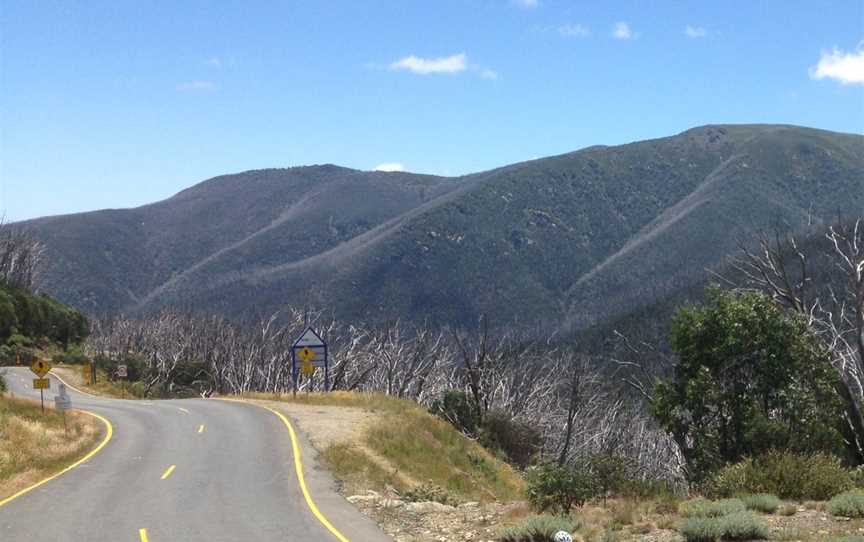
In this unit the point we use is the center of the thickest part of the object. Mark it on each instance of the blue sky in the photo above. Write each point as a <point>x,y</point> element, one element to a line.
<point>117,104</point>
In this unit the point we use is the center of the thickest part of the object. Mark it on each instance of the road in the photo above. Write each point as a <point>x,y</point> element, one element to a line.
<point>182,471</point>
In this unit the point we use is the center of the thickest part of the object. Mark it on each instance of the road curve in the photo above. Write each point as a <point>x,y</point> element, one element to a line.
<point>182,471</point>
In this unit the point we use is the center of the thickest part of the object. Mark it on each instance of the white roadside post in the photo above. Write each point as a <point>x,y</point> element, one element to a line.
<point>62,403</point>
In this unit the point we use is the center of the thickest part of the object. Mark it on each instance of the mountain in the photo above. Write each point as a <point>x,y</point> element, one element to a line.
<point>566,242</point>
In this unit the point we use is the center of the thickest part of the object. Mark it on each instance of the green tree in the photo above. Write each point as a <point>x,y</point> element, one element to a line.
<point>750,378</point>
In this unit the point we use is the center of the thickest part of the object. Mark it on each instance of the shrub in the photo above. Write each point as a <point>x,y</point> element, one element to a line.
<point>762,502</point>
<point>848,505</point>
<point>666,504</point>
<point>429,492</point>
<point>557,489</point>
<point>743,526</point>
<point>857,476</point>
<point>734,526</point>
<point>785,474</point>
<point>625,513</point>
<point>701,530</point>
<point>702,508</point>
<point>519,440</point>
<point>537,529</point>
<point>609,473</point>
<point>457,408</point>
<point>2,382</point>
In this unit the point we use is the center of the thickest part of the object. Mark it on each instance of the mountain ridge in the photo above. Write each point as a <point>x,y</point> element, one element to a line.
<point>574,239</point>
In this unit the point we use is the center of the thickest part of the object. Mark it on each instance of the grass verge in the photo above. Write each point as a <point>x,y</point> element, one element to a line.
<point>34,446</point>
<point>103,387</point>
<point>407,445</point>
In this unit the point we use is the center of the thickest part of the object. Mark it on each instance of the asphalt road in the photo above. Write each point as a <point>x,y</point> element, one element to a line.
<point>233,479</point>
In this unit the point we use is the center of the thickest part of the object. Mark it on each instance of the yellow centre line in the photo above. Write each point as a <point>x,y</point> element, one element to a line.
<point>201,428</point>
<point>168,472</point>
<point>143,534</point>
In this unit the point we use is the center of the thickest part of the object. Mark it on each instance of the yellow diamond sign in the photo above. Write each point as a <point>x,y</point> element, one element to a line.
<point>40,368</point>
<point>306,355</point>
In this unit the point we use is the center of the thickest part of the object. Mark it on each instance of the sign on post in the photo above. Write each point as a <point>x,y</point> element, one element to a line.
<point>309,351</point>
<point>41,384</point>
<point>40,368</point>
<point>122,371</point>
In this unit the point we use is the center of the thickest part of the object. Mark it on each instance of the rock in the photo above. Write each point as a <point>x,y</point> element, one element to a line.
<point>469,504</point>
<point>392,503</point>
<point>353,499</point>
<point>423,507</point>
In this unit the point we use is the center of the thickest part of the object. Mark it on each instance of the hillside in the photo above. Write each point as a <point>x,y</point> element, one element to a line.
<point>568,242</point>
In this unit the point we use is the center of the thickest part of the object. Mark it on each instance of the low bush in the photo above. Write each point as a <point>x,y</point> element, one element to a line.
<point>666,504</point>
<point>625,512</point>
<point>785,474</point>
<point>518,440</point>
<point>537,529</point>
<point>459,409</point>
<point>847,505</point>
<point>703,508</point>
<point>2,382</point>
<point>557,489</point>
<point>743,526</point>
<point>762,502</point>
<point>857,475</point>
<point>734,526</point>
<point>701,530</point>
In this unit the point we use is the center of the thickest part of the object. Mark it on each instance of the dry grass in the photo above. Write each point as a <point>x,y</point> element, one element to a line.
<point>33,445</point>
<point>103,387</point>
<point>405,445</point>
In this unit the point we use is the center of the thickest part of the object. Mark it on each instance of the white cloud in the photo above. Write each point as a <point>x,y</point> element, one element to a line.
<point>848,68</point>
<point>622,31</point>
<point>214,62</point>
<point>196,85</point>
<point>695,32</point>
<point>486,73</point>
<point>574,31</point>
<point>390,166</point>
<point>526,4</point>
<point>424,66</point>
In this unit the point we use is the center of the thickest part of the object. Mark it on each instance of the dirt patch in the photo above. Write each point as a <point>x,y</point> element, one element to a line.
<point>325,426</point>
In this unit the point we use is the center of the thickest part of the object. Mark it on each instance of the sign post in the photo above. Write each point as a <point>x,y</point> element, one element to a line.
<point>122,372</point>
<point>311,350</point>
<point>40,368</point>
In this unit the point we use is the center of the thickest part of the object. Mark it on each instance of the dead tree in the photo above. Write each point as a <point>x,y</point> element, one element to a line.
<point>832,307</point>
<point>20,258</point>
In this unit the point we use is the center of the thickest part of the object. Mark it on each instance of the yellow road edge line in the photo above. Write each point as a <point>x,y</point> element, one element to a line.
<point>108,434</point>
<point>298,466</point>
<point>168,472</point>
<point>68,385</point>
<point>201,428</point>
<point>143,534</point>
